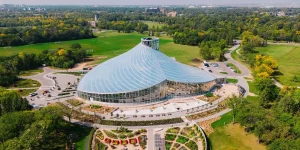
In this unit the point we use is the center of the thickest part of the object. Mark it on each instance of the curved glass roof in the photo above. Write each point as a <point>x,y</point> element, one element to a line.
<point>139,68</point>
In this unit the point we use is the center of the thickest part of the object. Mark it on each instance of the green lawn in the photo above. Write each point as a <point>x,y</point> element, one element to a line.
<point>82,134</point>
<point>252,88</point>
<point>288,58</point>
<point>228,136</point>
<point>230,80</point>
<point>25,83</point>
<point>31,72</point>
<point>110,44</point>
<point>27,92</point>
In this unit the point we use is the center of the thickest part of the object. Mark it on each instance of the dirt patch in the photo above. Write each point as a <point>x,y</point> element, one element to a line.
<point>206,125</point>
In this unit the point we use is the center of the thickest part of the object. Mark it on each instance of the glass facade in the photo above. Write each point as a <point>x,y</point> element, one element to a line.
<point>163,91</point>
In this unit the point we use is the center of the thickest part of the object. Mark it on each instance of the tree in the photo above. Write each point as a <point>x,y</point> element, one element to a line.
<point>235,103</point>
<point>75,46</point>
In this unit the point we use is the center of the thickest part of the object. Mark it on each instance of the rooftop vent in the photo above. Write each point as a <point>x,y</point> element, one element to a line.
<point>151,42</point>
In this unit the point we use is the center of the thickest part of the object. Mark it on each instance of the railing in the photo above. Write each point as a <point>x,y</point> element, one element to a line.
<point>204,136</point>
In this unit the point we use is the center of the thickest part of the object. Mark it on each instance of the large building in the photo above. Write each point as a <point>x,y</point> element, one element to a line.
<point>143,75</point>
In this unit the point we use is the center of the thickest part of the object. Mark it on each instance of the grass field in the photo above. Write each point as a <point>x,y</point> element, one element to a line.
<point>26,83</point>
<point>110,44</point>
<point>31,72</point>
<point>252,88</point>
<point>228,136</point>
<point>155,24</point>
<point>231,80</point>
<point>288,58</point>
<point>27,92</point>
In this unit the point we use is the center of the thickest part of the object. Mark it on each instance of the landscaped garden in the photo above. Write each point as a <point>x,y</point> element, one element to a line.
<point>74,102</point>
<point>186,138</point>
<point>122,137</point>
<point>99,109</point>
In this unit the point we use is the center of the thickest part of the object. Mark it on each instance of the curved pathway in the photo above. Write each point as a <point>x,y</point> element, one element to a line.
<point>245,71</point>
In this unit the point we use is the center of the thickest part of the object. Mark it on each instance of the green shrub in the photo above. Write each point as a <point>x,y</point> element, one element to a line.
<point>168,145</point>
<point>130,135</point>
<point>110,134</point>
<point>174,130</point>
<point>170,137</point>
<point>122,136</point>
<point>62,94</point>
<point>182,139</point>
<point>192,145</point>
<point>209,94</point>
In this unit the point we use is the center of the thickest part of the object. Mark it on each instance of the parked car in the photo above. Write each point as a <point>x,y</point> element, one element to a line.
<point>33,94</point>
<point>210,71</point>
<point>206,65</point>
<point>215,65</point>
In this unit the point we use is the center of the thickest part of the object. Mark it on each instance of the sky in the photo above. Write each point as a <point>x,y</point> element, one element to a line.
<point>149,2</point>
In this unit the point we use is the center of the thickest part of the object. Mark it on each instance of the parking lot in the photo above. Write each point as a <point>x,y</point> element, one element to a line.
<point>220,67</point>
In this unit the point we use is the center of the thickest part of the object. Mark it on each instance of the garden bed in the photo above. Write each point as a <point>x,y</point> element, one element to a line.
<point>174,130</point>
<point>75,102</point>
<point>141,123</point>
<point>182,139</point>
<point>170,137</point>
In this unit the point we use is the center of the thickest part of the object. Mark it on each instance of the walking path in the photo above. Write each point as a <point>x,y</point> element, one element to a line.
<point>150,136</point>
<point>245,71</point>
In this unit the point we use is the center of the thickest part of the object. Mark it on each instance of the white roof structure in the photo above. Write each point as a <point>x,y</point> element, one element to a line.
<point>140,68</point>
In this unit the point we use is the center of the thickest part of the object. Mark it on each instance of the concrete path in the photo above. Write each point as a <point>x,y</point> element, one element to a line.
<point>150,142</point>
<point>245,71</point>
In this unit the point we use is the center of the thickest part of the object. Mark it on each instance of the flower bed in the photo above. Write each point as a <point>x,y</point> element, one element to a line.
<point>110,134</point>
<point>174,130</point>
<point>115,142</point>
<point>182,139</point>
<point>133,141</point>
<point>191,145</point>
<point>100,135</point>
<point>107,140</point>
<point>138,132</point>
<point>168,145</point>
<point>143,141</point>
<point>188,132</point>
<point>176,145</point>
<point>124,142</point>
<point>170,137</point>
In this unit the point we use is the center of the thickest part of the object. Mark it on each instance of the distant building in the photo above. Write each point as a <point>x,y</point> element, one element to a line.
<point>172,14</point>
<point>152,10</point>
<point>96,17</point>
<point>192,6</point>
<point>281,14</point>
<point>93,24</point>
<point>163,10</point>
